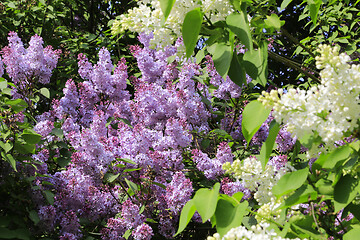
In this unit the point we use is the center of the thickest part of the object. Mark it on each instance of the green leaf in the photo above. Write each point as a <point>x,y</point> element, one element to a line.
<point>253,117</point>
<point>222,133</point>
<point>11,5</point>
<point>325,187</point>
<point>284,4</point>
<point>238,196</point>
<point>227,216</point>
<point>222,57</point>
<point>25,148</point>
<point>132,169</point>
<point>31,138</point>
<point>301,195</point>
<point>132,185</point>
<point>229,199</point>
<point>187,213</point>
<point>305,224</point>
<point>354,209</point>
<point>58,132</point>
<point>109,177</point>
<point>49,196</point>
<point>127,234</point>
<point>314,6</point>
<point>10,159</point>
<point>6,233</point>
<point>237,72</point>
<point>200,56</point>
<point>151,220</point>
<point>205,201</point>
<point>238,24</point>
<point>3,83</point>
<point>166,6</point>
<point>159,184</point>
<point>255,63</point>
<point>307,140</point>
<point>191,29</point>
<point>330,160</point>
<point>345,191</point>
<point>290,182</point>
<point>63,162</point>
<point>6,146</point>
<point>273,21</point>
<point>267,147</point>
<point>6,91</point>
<point>353,234</point>
<point>45,92</point>
<point>17,105</point>
<point>126,160</point>
<point>33,215</point>
<point>236,4</point>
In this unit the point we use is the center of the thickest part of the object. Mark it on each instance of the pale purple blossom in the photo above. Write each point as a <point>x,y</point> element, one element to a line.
<point>285,142</point>
<point>47,215</point>
<point>130,214</point>
<point>178,192</point>
<point>278,161</point>
<point>68,236</point>
<point>208,166</point>
<point>230,187</point>
<point>70,223</point>
<point>44,127</point>
<point>143,232</point>
<point>115,229</point>
<point>1,68</point>
<point>26,66</point>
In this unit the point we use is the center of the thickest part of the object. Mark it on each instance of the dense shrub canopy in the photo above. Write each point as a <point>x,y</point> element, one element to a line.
<point>179,119</point>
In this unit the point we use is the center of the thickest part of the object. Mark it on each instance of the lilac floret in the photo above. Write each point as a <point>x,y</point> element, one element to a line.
<point>143,232</point>
<point>178,192</point>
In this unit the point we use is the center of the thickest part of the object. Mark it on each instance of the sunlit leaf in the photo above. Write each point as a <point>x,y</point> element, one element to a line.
<point>254,115</point>
<point>191,29</point>
<point>166,6</point>
<point>205,201</point>
<point>290,182</point>
<point>187,213</point>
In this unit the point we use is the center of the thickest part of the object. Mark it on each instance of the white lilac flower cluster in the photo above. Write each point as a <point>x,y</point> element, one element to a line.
<point>250,173</point>
<point>330,109</point>
<point>258,232</point>
<point>148,17</point>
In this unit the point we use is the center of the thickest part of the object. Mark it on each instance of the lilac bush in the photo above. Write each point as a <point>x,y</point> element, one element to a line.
<point>105,126</point>
<point>125,163</point>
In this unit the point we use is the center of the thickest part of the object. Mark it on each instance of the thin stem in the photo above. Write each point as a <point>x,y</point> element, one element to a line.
<point>292,64</point>
<point>208,20</point>
<point>313,215</point>
<point>292,38</point>
<point>117,200</point>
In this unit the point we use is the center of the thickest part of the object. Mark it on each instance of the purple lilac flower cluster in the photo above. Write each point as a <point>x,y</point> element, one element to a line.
<point>226,88</point>
<point>1,68</point>
<point>27,66</point>
<point>212,168</point>
<point>160,117</point>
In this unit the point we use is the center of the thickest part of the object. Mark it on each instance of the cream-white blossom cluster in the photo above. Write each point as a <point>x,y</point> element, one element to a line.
<point>330,109</point>
<point>258,232</point>
<point>148,17</point>
<point>250,173</point>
